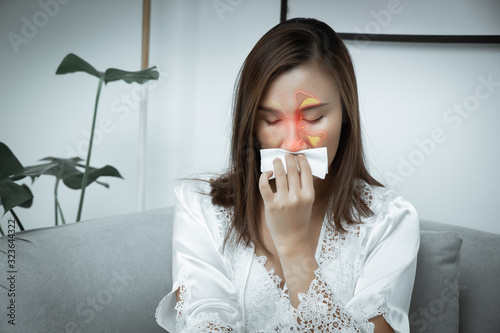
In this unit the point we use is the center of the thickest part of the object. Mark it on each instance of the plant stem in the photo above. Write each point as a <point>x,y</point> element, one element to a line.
<point>1,231</point>
<point>87,162</point>
<point>60,212</point>
<point>55,199</point>
<point>17,219</point>
<point>58,205</point>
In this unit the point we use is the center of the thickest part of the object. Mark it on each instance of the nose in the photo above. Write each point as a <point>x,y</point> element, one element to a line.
<point>293,142</point>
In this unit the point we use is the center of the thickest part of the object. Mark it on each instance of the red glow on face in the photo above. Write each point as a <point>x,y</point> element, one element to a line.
<point>298,133</point>
<point>303,100</point>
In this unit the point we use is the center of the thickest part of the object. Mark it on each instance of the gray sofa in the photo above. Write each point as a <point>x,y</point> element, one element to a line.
<point>109,274</point>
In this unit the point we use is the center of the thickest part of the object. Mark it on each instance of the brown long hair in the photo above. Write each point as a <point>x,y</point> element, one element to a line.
<point>289,44</point>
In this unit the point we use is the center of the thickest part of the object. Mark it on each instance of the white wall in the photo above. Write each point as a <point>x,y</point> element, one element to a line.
<point>43,114</point>
<point>405,91</point>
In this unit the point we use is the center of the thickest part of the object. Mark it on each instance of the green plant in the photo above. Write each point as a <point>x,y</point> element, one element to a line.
<point>11,170</point>
<point>71,64</point>
<point>13,194</point>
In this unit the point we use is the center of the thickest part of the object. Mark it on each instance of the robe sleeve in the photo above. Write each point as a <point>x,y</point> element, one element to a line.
<point>386,283</point>
<point>208,300</point>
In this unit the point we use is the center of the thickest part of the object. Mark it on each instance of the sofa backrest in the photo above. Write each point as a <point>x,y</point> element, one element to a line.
<point>103,275</point>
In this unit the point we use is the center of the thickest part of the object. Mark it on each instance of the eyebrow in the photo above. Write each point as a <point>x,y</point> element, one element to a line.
<point>305,108</point>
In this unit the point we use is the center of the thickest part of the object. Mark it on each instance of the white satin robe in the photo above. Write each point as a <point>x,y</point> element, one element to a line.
<point>366,272</point>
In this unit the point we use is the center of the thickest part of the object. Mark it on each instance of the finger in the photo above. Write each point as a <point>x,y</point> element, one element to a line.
<point>265,188</point>
<point>292,172</point>
<point>280,174</point>
<point>306,178</point>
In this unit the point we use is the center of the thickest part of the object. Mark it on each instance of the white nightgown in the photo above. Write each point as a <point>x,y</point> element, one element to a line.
<point>366,272</point>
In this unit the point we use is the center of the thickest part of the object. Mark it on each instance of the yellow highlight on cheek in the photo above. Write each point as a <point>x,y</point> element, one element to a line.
<point>314,139</point>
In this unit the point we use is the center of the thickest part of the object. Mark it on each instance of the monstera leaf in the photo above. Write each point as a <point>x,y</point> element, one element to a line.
<point>66,169</point>
<point>72,64</point>
<point>12,194</point>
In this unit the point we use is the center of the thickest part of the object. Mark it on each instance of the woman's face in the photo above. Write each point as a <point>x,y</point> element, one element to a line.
<point>300,109</point>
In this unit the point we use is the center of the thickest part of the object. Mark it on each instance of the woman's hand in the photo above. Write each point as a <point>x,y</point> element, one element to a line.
<point>288,211</point>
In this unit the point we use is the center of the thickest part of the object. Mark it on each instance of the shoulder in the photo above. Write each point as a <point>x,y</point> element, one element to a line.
<point>393,207</point>
<point>393,216</point>
<point>384,200</point>
<point>194,199</point>
<point>194,192</point>
<point>196,184</point>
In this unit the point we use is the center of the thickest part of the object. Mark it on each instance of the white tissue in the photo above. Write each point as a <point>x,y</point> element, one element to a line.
<point>317,158</point>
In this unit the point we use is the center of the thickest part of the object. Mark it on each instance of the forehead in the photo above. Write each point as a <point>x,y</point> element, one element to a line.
<point>311,78</point>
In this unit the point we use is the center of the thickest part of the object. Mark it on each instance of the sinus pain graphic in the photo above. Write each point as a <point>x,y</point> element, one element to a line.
<point>302,100</point>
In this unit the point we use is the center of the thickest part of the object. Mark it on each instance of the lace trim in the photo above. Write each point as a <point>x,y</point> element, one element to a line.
<point>224,217</point>
<point>203,322</point>
<point>366,192</point>
<point>277,281</point>
<point>210,322</point>
<point>266,304</point>
<point>184,297</point>
<point>318,310</point>
<point>382,310</point>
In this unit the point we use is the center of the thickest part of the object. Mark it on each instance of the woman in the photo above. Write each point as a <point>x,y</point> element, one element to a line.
<point>295,252</point>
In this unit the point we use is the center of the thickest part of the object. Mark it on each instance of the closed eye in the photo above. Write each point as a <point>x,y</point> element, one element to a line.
<point>273,122</point>
<point>315,120</point>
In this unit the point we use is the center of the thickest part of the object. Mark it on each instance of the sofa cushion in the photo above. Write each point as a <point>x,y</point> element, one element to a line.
<point>434,305</point>
<point>479,272</point>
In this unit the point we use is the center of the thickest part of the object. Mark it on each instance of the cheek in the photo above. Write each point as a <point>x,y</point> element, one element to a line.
<point>269,137</point>
<point>313,136</point>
